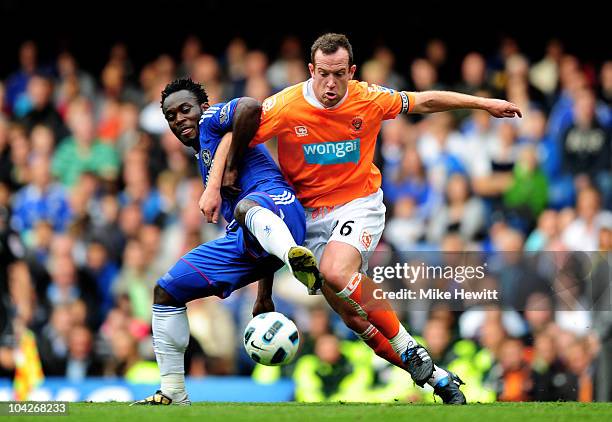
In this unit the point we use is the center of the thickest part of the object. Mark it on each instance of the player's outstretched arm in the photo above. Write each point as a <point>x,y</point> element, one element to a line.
<point>264,302</point>
<point>245,125</point>
<point>434,101</point>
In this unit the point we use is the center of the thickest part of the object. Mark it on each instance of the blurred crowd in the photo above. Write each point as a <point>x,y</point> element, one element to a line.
<point>98,199</point>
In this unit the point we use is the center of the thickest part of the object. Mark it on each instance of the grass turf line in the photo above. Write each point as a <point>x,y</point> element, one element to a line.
<point>294,412</point>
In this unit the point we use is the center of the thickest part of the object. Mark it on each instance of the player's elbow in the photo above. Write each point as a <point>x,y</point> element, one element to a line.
<point>425,103</point>
<point>249,107</point>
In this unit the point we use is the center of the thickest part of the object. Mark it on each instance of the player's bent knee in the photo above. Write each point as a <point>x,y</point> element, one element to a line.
<point>335,276</point>
<point>162,297</point>
<point>242,208</point>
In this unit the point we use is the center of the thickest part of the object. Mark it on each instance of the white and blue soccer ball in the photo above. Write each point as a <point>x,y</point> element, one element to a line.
<point>271,339</point>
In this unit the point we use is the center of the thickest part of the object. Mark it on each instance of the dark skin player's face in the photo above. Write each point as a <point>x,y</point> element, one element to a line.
<point>182,112</point>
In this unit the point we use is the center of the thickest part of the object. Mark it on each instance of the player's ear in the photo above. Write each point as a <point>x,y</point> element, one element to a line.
<point>352,71</point>
<point>204,107</point>
<point>311,69</point>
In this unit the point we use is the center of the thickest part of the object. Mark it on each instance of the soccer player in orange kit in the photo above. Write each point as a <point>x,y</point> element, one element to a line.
<point>326,129</point>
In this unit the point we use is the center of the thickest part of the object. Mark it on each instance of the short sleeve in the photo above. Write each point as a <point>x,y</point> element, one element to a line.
<point>391,102</point>
<point>221,120</point>
<point>270,124</point>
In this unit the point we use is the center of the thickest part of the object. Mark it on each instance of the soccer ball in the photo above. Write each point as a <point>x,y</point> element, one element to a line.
<point>271,339</point>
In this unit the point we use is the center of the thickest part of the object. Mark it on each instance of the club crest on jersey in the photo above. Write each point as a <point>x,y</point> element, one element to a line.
<point>206,157</point>
<point>357,123</point>
<point>301,131</point>
<point>366,239</point>
<point>224,113</point>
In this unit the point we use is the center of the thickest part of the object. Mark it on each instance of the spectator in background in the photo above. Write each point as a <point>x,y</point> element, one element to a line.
<point>587,146</point>
<point>17,83</point>
<point>512,375</point>
<point>138,189</point>
<point>107,229</point>
<point>42,110</point>
<point>544,74</point>
<point>439,147</point>
<point>235,58</point>
<point>151,119</point>
<point>408,179</point>
<point>551,380</point>
<point>207,71</point>
<point>104,272</point>
<point>582,234</point>
<point>135,281</point>
<point>192,48</point>
<point>424,76</point>
<point>518,86</point>
<point>126,361</point>
<point>128,134</point>
<point>436,53</point>
<point>579,360</point>
<point>605,85</point>
<point>386,57</point>
<point>330,374</point>
<point>278,72</point>
<point>560,186</point>
<point>53,341</point>
<point>41,199</point>
<point>19,155</point>
<point>212,326</point>
<point>257,88</point>
<point>82,360</point>
<point>473,76</point>
<point>527,195</point>
<point>438,338</point>
<point>69,73</point>
<point>115,87</point>
<point>545,233</point>
<point>64,288</point>
<point>42,141</point>
<point>82,151</point>
<point>6,164</point>
<point>4,114</point>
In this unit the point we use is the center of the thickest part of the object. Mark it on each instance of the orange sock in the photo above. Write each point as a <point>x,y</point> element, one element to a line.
<point>358,292</point>
<point>381,346</point>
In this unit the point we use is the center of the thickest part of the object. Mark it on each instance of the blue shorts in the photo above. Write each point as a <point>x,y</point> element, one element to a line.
<point>221,266</point>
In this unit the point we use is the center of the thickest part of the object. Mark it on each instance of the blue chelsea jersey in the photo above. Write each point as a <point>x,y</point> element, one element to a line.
<point>258,171</point>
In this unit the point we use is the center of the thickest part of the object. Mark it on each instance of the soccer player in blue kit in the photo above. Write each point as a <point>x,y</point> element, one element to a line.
<point>267,223</point>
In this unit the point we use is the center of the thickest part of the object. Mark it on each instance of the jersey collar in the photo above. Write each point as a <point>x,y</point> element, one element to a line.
<point>310,97</point>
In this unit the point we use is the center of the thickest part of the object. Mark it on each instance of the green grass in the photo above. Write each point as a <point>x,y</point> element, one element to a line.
<point>293,412</point>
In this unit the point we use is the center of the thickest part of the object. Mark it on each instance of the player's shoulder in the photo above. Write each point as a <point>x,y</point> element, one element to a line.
<point>366,90</point>
<point>217,113</point>
<point>286,97</point>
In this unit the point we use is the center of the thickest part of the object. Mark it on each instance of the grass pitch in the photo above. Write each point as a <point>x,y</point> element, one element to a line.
<point>294,412</point>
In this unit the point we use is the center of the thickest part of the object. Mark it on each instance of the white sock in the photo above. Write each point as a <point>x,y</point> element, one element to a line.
<point>170,339</point>
<point>402,341</point>
<point>438,374</point>
<point>271,232</point>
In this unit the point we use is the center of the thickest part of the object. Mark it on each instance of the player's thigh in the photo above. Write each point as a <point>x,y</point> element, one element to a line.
<point>216,268</point>
<point>360,224</point>
<point>317,234</point>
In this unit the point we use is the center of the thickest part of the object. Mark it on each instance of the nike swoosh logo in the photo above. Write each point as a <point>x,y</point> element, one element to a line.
<point>257,347</point>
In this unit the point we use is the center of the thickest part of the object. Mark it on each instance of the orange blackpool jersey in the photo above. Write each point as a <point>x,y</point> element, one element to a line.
<point>327,153</point>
